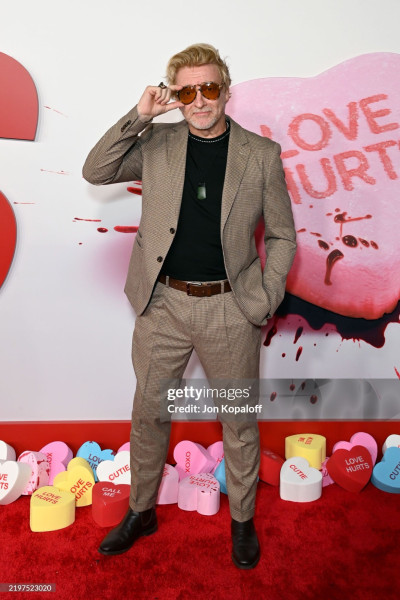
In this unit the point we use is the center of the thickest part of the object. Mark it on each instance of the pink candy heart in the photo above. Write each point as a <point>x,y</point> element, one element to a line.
<point>168,490</point>
<point>192,458</point>
<point>40,470</point>
<point>216,450</point>
<point>339,133</point>
<point>58,456</point>
<point>359,439</point>
<point>199,492</point>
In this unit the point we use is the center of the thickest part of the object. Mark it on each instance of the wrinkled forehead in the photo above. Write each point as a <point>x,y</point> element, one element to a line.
<point>197,74</point>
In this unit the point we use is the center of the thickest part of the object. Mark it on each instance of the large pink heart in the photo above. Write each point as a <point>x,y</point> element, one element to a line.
<point>8,237</point>
<point>339,134</point>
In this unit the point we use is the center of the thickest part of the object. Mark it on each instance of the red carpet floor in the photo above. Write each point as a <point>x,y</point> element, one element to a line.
<point>344,546</point>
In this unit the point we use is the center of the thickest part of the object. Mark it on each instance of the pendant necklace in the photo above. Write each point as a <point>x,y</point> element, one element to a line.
<point>201,186</point>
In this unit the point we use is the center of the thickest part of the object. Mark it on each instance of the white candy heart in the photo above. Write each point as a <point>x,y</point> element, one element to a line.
<point>6,451</point>
<point>299,481</point>
<point>117,470</point>
<point>393,441</point>
<point>14,477</point>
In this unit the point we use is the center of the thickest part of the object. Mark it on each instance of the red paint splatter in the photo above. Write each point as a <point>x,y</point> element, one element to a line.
<point>273,396</point>
<point>57,111</point>
<point>298,353</point>
<point>298,334</point>
<point>90,220</point>
<point>313,399</point>
<point>126,228</point>
<point>135,190</point>
<point>349,328</point>
<point>283,354</point>
<point>292,387</point>
<point>270,335</point>
<point>303,385</point>
<point>102,229</point>
<point>397,373</point>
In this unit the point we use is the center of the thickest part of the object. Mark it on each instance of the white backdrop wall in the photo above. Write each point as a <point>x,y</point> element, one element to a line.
<point>65,324</point>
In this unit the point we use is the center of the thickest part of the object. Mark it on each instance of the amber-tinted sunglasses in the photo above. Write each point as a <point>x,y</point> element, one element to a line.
<point>209,90</point>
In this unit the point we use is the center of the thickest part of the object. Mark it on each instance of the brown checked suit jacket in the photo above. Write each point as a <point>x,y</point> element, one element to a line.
<point>254,187</point>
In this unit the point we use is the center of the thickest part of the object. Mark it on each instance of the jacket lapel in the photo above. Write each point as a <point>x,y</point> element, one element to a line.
<point>176,157</point>
<point>238,156</point>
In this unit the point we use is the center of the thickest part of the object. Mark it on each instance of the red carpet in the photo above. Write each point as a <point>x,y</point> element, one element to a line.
<point>344,546</point>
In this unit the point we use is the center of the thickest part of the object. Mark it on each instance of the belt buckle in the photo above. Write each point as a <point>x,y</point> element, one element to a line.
<point>189,283</point>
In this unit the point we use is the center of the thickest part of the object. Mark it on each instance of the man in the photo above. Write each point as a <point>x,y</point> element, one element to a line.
<point>195,279</point>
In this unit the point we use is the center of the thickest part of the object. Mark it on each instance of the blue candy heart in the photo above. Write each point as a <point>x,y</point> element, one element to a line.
<point>92,452</point>
<point>386,474</point>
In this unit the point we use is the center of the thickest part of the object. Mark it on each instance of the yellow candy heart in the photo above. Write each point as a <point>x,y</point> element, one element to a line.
<point>51,509</point>
<point>307,445</point>
<point>77,479</point>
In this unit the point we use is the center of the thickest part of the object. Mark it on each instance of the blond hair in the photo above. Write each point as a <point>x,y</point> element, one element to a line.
<point>194,56</point>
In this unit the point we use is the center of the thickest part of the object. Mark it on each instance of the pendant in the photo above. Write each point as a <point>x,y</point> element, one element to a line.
<point>201,191</point>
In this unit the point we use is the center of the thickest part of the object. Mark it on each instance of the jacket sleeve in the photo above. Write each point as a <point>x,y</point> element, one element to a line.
<point>280,233</point>
<point>117,156</point>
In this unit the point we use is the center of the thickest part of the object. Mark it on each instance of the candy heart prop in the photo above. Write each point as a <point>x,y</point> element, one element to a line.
<point>351,469</point>
<point>58,456</point>
<point>51,509</point>
<point>168,490</point>
<point>14,477</point>
<point>77,479</point>
<point>94,455</point>
<point>220,476</point>
<point>393,441</point>
<point>7,452</point>
<point>359,439</point>
<point>126,446</point>
<point>117,470</point>
<point>199,492</point>
<point>192,458</point>
<point>386,474</point>
<point>299,482</point>
<point>109,503</point>
<point>8,236</point>
<point>216,450</point>
<point>310,446</point>
<point>339,134</point>
<point>40,470</point>
<point>270,466</point>
<point>326,478</point>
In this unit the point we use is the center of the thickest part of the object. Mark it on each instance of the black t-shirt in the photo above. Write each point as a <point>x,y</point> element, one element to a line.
<point>196,252</point>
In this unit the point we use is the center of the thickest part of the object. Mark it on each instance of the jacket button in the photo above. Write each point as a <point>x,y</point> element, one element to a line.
<point>126,125</point>
<point>172,230</point>
<point>160,259</point>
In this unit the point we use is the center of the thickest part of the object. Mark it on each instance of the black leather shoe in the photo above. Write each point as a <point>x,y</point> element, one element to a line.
<point>133,526</point>
<point>245,550</point>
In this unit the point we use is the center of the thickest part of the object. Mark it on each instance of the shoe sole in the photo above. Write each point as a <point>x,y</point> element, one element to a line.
<point>250,566</point>
<point>116,552</point>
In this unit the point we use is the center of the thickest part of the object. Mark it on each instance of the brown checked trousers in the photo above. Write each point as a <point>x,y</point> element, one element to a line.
<point>228,347</point>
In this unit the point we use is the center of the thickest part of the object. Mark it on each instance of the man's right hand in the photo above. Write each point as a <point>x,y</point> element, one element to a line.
<point>156,101</point>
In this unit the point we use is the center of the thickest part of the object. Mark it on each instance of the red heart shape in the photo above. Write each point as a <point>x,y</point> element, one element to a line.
<point>19,107</point>
<point>109,503</point>
<point>8,237</point>
<point>351,469</point>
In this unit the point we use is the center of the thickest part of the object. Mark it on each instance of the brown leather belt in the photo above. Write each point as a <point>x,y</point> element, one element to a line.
<point>193,288</point>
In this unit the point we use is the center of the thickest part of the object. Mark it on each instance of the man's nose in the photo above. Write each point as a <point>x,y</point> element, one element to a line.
<point>199,100</point>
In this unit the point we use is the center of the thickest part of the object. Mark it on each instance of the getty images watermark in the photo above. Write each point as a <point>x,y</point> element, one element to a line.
<point>198,399</point>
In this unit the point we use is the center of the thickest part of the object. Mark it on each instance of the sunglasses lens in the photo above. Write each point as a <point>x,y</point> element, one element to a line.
<point>210,91</point>
<point>187,94</point>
